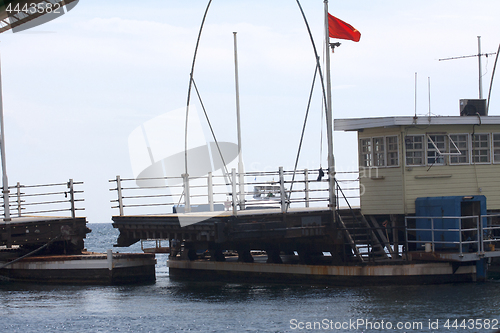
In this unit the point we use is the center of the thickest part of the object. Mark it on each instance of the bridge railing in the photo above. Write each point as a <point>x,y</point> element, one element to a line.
<point>56,199</point>
<point>279,189</point>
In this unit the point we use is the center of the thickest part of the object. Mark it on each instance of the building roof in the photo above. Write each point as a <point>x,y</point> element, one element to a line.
<point>355,124</point>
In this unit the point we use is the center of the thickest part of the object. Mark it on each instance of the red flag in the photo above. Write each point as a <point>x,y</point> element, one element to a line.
<point>339,29</point>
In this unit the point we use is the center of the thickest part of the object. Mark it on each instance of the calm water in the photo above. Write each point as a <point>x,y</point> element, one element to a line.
<point>232,307</point>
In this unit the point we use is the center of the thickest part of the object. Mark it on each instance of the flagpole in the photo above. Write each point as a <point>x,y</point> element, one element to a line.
<point>5,182</point>
<point>241,173</point>
<point>329,117</point>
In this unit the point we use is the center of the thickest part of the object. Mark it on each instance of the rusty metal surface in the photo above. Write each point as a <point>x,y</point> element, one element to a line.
<point>40,230</point>
<point>451,256</point>
<point>89,268</point>
<point>415,273</point>
<point>87,256</point>
<point>365,270</point>
<point>247,225</point>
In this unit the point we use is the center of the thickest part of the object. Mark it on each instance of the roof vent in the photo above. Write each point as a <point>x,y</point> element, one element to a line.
<point>472,107</point>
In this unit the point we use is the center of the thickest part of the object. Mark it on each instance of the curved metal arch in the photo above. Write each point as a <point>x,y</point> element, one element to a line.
<point>189,89</point>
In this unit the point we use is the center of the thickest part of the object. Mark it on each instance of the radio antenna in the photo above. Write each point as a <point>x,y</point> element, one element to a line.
<point>415,95</point>
<point>478,55</point>
<point>429,92</point>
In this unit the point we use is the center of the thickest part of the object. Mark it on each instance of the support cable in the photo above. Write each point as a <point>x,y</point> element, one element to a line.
<point>302,135</point>
<point>491,82</point>
<point>325,100</point>
<point>31,253</point>
<point>318,63</point>
<point>189,89</point>
<point>211,130</point>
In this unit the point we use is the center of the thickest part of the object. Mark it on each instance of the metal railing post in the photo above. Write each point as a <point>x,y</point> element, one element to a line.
<point>19,208</point>
<point>241,195</point>
<point>119,191</point>
<point>306,186</point>
<point>233,191</point>
<point>210,191</point>
<point>432,236</point>
<point>72,198</point>
<point>337,198</point>
<point>460,253</point>
<point>480,245</point>
<point>406,239</point>
<point>482,231</point>
<point>187,196</point>
<point>282,190</point>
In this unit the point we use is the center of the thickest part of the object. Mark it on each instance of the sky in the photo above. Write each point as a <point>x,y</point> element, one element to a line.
<point>75,88</point>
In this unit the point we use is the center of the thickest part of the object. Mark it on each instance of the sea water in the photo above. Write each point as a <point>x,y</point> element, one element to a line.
<point>177,306</point>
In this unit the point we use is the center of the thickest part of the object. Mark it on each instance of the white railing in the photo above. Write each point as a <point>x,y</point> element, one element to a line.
<point>470,237</point>
<point>271,189</point>
<point>491,233</point>
<point>46,199</point>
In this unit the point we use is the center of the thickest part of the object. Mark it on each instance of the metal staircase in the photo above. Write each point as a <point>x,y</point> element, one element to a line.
<point>360,235</point>
<point>365,239</point>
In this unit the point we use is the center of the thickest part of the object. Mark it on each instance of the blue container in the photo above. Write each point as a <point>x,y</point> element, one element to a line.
<point>453,206</point>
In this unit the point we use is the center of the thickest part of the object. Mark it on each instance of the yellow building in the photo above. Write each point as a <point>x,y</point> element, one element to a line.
<point>403,158</point>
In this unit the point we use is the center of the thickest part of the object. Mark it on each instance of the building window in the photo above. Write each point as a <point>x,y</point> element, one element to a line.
<point>496,147</point>
<point>414,149</point>
<point>365,158</point>
<point>436,144</point>
<point>481,148</point>
<point>459,148</point>
<point>393,151</point>
<point>378,152</point>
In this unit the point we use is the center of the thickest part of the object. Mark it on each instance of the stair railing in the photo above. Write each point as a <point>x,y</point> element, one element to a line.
<point>339,189</point>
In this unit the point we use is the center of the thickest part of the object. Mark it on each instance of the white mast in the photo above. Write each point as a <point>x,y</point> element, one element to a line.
<point>240,158</point>
<point>329,118</point>
<point>5,185</point>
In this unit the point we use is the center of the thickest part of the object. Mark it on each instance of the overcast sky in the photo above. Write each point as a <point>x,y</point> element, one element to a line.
<point>75,88</point>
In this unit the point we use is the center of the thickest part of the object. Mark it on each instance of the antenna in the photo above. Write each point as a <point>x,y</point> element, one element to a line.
<point>415,95</point>
<point>478,55</point>
<point>429,91</point>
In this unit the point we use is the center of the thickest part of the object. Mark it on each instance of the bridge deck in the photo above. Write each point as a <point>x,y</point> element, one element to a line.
<point>216,226</point>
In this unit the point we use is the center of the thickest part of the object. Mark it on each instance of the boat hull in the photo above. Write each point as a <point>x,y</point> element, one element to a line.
<point>413,273</point>
<point>90,268</point>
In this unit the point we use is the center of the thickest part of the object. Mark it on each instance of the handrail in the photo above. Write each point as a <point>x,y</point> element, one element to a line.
<point>338,188</point>
<point>58,197</point>
<point>42,185</point>
<point>476,235</point>
<point>218,189</point>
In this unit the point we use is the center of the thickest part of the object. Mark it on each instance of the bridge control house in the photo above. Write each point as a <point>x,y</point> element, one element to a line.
<point>404,161</point>
<point>412,157</point>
